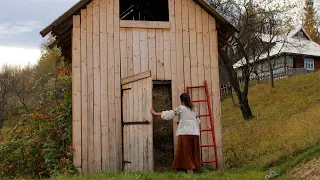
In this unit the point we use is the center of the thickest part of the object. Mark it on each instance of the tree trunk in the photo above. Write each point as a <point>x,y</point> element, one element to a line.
<point>245,109</point>
<point>271,77</point>
<point>25,106</point>
<point>234,103</point>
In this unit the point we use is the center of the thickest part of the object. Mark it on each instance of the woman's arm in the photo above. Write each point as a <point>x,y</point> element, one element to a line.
<point>155,113</point>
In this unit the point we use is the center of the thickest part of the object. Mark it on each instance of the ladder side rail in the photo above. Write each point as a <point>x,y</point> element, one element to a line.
<point>211,123</point>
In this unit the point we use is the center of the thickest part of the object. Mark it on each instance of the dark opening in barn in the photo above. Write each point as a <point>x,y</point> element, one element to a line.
<point>144,10</point>
<point>162,129</point>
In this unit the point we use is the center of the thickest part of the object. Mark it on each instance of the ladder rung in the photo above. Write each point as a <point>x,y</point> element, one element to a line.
<point>200,101</point>
<point>204,130</point>
<point>195,87</point>
<point>204,115</point>
<point>212,161</point>
<point>207,145</point>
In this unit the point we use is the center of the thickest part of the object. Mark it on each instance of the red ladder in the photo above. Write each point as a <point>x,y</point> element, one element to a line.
<point>207,100</point>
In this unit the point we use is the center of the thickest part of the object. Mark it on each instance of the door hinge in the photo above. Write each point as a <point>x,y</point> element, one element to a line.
<point>126,162</point>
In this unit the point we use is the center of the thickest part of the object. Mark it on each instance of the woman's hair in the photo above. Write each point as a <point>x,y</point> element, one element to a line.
<point>185,98</point>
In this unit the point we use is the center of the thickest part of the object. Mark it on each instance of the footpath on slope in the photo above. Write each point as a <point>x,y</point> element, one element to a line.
<point>307,171</point>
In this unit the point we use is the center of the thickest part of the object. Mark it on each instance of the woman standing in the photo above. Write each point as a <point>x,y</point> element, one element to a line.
<point>187,155</point>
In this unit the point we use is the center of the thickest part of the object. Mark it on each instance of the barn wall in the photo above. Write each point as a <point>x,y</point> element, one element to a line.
<point>186,53</point>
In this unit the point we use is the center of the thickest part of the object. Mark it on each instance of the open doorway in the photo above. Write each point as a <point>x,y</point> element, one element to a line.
<point>162,129</point>
<point>144,10</point>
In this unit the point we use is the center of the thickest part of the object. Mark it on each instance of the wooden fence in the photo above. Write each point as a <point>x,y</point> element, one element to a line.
<point>226,89</point>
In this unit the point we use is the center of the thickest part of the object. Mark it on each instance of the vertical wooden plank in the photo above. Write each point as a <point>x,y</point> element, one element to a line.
<point>193,51</point>
<point>215,89</point>
<point>209,79</point>
<point>96,87</point>
<point>186,43</point>
<point>124,55</point>
<point>104,85</point>
<point>173,54</point>
<point>144,50</point>
<point>180,60</point>
<point>152,52</point>
<point>117,84</point>
<point>125,119</point>
<point>111,90</point>
<point>130,51</point>
<point>159,54</point>
<point>84,90</point>
<point>201,76</point>
<point>166,55</point>
<point>76,90</point>
<point>90,84</point>
<point>136,51</point>
<point>207,76</point>
<point>145,128</point>
<point>150,126</point>
<point>131,130</point>
<point>140,127</point>
<point>135,133</point>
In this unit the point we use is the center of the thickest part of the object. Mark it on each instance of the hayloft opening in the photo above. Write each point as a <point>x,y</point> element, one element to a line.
<point>144,10</point>
<point>162,129</point>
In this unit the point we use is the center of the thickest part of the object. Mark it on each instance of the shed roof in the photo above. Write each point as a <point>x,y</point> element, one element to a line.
<point>62,26</point>
<point>290,45</point>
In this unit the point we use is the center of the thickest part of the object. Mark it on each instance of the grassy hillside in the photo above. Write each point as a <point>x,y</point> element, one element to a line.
<point>286,122</point>
<point>283,134</point>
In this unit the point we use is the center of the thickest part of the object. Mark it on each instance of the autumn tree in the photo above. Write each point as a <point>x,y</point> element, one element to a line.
<point>4,95</point>
<point>311,21</point>
<point>252,18</point>
<point>21,82</point>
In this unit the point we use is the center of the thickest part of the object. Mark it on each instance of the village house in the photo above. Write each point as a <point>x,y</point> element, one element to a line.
<point>296,52</point>
<point>119,49</point>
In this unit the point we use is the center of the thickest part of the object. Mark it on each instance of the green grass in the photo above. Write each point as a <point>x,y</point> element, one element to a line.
<point>285,124</point>
<point>282,169</point>
<point>252,175</point>
<point>283,134</point>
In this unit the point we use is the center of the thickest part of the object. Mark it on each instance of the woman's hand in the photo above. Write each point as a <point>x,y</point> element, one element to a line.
<point>155,113</point>
<point>152,111</point>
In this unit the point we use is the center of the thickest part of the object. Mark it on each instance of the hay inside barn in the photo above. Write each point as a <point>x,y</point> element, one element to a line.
<point>162,130</point>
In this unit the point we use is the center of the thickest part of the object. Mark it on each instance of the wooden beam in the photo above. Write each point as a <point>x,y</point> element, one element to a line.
<point>84,91</point>
<point>144,24</point>
<point>73,10</point>
<point>96,87</point>
<point>135,77</point>
<point>53,44</point>
<point>76,92</point>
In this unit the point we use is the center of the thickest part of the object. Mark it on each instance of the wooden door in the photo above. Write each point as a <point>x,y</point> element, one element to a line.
<point>137,123</point>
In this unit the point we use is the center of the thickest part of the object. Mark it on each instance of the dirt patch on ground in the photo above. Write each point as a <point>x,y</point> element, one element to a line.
<point>308,171</point>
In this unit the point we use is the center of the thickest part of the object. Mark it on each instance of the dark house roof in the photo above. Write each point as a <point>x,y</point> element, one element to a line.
<point>61,28</point>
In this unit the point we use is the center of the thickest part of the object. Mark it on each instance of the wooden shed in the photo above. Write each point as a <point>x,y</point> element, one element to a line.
<point>119,49</point>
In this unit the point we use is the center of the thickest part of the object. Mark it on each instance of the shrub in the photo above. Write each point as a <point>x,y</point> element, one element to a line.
<point>41,144</point>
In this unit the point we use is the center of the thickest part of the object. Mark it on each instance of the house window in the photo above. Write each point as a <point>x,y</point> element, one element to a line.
<point>300,34</point>
<point>289,61</point>
<point>144,10</point>
<point>309,64</point>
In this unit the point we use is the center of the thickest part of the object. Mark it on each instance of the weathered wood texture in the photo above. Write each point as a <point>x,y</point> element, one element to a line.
<point>138,139</point>
<point>186,53</point>
<point>76,91</point>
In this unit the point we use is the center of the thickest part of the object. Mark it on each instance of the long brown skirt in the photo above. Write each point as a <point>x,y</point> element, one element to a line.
<point>187,155</point>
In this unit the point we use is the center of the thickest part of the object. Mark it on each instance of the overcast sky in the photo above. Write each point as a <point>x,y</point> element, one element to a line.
<point>20,24</point>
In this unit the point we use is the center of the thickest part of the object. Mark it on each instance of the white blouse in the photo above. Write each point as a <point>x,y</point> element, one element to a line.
<point>188,123</point>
